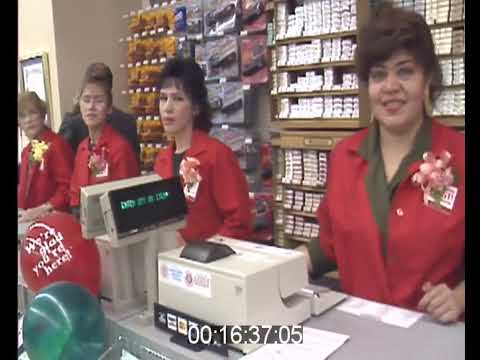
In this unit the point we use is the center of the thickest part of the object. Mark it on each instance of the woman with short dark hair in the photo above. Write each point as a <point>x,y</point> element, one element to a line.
<point>215,187</point>
<point>46,165</point>
<point>393,218</point>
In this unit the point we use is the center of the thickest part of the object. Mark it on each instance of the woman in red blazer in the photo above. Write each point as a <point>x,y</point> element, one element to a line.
<point>46,165</point>
<point>393,218</point>
<point>104,155</point>
<point>215,187</point>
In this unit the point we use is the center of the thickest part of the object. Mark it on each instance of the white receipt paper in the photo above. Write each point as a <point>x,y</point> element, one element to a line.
<point>127,356</point>
<point>317,345</point>
<point>388,314</point>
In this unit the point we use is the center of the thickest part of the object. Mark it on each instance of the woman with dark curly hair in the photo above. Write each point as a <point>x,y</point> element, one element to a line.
<point>393,219</point>
<point>215,187</point>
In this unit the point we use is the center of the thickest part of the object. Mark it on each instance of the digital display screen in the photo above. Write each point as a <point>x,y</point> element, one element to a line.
<point>148,204</point>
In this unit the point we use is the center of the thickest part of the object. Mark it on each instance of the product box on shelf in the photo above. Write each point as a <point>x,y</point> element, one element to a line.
<point>137,103</point>
<point>254,59</point>
<point>150,130</point>
<point>194,17</point>
<point>149,75</point>
<point>137,24</point>
<point>254,17</point>
<point>153,48</point>
<point>152,100</point>
<point>219,58</point>
<point>181,18</point>
<point>232,137</point>
<point>136,51</point>
<point>227,102</point>
<point>262,214</point>
<point>220,16</point>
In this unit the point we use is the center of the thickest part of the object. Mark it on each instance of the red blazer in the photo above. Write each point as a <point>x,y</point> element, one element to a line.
<point>122,162</point>
<point>49,182</point>
<point>222,204</point>
<point>423,244</point>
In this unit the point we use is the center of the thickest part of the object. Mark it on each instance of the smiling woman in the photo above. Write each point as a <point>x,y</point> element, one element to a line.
<point>394,241</point>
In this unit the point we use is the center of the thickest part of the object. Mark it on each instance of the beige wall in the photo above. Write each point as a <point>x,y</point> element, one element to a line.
<point>36,34</point>
<point>88,31</point>
<point>75,33</point>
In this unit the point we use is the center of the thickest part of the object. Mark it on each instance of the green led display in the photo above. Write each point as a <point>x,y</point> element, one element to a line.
<point>144,200</point>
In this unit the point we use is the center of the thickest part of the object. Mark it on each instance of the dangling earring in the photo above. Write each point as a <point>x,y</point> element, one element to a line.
<point>427,103</point>
<point>372,118</point>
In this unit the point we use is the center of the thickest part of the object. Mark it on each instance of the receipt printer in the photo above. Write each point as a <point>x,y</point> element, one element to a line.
<point>250,285</point>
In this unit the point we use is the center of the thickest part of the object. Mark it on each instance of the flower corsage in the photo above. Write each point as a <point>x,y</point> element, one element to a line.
<point>191,177</point>
<point>37,155</point>
<point>97,162</point>
<point>436,178</point>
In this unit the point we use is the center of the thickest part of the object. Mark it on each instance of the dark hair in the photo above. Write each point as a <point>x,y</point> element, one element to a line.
<point>187,75</point>
<point>390,29</point>
<point>30,99</point>
<point>99,71</point>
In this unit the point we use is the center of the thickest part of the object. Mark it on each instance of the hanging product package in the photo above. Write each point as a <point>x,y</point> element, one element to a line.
<point>254,59</point>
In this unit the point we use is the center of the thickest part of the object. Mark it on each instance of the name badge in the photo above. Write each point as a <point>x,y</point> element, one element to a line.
<point>190,191</point>
<point>447,201</point>
<point>103,172</point>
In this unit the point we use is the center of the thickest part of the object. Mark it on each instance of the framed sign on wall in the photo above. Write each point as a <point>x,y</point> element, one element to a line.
<point>35,76</point>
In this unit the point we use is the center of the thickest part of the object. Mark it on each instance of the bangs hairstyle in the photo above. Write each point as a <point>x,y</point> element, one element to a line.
<point>30,100</point>
<point>101,82</point>
<point>391,29</point>
<point>186,75</point>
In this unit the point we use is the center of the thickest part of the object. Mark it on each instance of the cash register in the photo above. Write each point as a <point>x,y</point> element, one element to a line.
<point>220,281</point>
<point>226,281</point>
<point>132,220</point>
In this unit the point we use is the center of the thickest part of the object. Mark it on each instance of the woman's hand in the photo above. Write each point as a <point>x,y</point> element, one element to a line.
<point>442,303</point>
<point>34,213</point>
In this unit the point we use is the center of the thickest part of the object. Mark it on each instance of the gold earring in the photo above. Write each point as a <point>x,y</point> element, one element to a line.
<point>427,103</point>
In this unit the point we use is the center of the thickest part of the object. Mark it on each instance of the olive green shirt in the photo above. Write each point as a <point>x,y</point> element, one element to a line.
<point>380,191</point>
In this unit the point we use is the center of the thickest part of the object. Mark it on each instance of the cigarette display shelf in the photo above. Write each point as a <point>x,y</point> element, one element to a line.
<point>304,187</point>
<point>453,24</point>
<point>346,92</point>
<point>302,39</point>
<point>319,123</point>
<point>299,213</point>
<point>307,67</point>
<point>322,141</point>
<point>298,239</point>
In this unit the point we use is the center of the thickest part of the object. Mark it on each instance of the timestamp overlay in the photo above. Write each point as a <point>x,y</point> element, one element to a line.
<point>245,334</point>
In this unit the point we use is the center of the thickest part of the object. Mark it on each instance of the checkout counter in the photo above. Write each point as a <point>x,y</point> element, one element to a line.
<point>219,282</point>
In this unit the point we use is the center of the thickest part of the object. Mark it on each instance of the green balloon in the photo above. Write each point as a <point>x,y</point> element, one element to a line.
<point>64,322</point>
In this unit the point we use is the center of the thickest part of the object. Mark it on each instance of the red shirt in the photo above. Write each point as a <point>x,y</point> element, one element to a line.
<point>221,205</point>
<point>47,182</point>
<point>122,162</point>
<point>423,244</point>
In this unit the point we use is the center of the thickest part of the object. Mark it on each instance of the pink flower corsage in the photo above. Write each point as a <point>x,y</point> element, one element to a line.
<point>97,162</point>
<point>434,177</point>
<point>191,177</point>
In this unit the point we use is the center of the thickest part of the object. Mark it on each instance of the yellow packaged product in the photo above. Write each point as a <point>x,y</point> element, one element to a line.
<point>170,45</point>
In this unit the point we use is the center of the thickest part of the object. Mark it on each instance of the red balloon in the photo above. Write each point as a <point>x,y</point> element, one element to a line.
<point>54,250</point>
